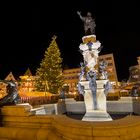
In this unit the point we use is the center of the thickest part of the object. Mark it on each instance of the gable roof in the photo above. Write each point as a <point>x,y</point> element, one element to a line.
<point>10,76</point>
<point>28,72</point>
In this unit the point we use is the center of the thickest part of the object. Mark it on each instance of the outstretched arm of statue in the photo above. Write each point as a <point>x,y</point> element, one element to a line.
<point>79,13</point>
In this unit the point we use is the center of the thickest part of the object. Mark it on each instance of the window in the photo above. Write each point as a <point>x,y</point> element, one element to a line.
<point>109,58</point>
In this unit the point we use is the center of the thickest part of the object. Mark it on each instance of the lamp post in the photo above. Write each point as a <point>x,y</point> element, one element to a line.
<point>46,83</point>
<point>46,86</point>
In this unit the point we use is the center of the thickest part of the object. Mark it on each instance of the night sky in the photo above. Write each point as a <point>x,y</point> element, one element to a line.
<point>27,33</point>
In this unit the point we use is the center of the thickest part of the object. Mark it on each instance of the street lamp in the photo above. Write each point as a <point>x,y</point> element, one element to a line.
<point>46,86</point>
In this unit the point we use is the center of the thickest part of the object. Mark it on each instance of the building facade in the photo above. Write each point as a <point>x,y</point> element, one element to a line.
<point>27,82</point>
<point>134,72</point>
<point>71,78</point>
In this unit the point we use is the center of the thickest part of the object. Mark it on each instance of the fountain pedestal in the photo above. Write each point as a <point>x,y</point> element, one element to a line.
<point>100,113</point>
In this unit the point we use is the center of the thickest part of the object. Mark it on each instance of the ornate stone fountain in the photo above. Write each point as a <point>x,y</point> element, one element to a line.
<point>93,79</point>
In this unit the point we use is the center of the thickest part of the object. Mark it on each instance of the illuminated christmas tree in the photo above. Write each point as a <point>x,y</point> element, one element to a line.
<point>49,75</point>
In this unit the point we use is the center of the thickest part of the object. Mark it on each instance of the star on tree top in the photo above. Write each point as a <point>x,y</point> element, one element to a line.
<point>54,37</point>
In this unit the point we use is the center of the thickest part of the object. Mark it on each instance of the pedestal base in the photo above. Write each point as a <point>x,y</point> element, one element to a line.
<point>97,102</point>
<point>97,116</point>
